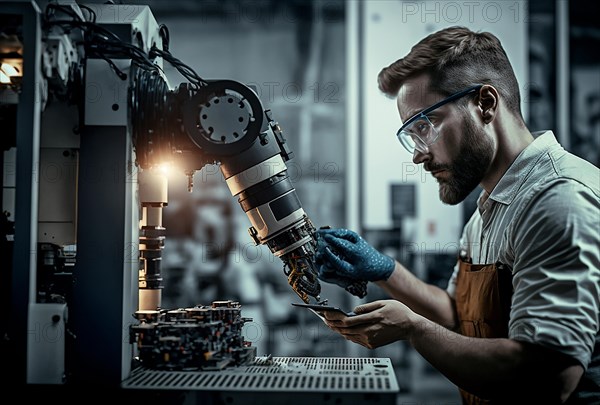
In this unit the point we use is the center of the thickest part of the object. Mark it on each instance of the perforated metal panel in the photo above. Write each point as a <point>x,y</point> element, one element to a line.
<point>279,374</point>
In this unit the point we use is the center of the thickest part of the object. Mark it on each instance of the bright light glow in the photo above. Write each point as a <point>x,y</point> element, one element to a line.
<point>164,168</point>
<point>9,70</point>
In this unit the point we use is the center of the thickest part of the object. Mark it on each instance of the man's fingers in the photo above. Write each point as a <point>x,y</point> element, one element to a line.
<point>368,307</point>
<point>340,320</point>
<point>334,316</point>
<point>332,260</point>
<point>355,331</point>
<point>336,263</point>
<point>341,233</point>
<point>343,245</point>
<point>346,234</point>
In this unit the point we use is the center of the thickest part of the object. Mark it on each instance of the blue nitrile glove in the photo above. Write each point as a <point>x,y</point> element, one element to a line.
<point>325,273</point>
<point>344,257</point>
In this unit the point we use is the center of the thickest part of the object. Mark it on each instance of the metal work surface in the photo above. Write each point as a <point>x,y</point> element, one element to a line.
<point>279,374</point>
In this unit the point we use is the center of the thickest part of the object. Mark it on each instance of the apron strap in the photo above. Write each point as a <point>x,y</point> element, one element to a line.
<point>483,299</point>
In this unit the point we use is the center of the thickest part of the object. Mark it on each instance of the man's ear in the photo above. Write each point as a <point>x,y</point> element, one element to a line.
<point>488,103</point>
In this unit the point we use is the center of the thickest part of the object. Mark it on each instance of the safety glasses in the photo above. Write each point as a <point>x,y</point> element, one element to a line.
<point>418,132</point>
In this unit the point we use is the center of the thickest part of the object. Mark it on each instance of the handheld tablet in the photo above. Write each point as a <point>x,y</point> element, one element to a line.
<point>323,308</point>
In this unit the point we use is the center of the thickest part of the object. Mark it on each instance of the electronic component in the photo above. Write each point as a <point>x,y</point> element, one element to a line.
<point>198,338</point>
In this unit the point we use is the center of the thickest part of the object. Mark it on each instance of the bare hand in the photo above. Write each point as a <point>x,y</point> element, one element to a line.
<point>377,324</point>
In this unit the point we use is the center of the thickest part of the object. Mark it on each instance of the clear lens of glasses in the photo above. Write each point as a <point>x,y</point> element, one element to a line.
<point>418,135</point>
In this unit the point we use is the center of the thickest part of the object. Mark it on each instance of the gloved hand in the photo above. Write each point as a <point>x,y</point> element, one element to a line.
<point>344,257</point>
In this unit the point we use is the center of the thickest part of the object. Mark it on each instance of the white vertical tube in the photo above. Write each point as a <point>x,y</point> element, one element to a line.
<point>563,96</point>
<point>352,113</point>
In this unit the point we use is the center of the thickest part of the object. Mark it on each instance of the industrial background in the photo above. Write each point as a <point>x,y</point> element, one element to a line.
<point>314,65</point>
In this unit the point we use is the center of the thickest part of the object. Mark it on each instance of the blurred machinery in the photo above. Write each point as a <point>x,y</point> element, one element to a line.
<point>88,122</point>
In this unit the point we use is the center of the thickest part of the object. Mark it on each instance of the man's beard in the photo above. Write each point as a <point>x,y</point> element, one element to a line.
<point>469,167</point>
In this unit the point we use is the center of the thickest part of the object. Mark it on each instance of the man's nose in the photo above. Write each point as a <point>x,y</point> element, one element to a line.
<point>421,156</point>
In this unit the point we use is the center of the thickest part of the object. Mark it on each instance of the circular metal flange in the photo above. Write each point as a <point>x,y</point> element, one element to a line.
<point>223,117</point>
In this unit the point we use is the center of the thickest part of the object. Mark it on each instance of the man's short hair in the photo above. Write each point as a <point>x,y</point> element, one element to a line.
<point>456,58</point>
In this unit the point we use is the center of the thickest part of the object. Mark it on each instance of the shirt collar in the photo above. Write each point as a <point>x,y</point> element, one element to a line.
<point>509,184</point>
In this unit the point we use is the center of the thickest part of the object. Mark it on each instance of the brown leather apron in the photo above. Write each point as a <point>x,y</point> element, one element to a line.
<point>483,295</point>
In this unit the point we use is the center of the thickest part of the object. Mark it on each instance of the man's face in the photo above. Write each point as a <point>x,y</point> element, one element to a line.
<point>462,154</point>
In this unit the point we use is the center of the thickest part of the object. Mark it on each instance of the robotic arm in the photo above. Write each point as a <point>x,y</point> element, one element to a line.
<point>224,122</point>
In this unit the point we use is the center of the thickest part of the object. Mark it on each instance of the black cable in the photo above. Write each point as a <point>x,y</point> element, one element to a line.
<point>122,75</point>
<point>116,49</point>
<point>163,32</point>
<point>87,26</point>
<point>151,117</point>
<point>104,44</point>
<point>152,111</point>
<point>181,67</point>
<point>89,10</point>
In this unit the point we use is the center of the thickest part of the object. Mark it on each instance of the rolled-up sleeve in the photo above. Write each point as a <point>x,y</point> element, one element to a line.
<point>556,274</point>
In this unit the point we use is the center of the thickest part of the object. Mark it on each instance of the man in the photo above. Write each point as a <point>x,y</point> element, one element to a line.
<point>520,317</point>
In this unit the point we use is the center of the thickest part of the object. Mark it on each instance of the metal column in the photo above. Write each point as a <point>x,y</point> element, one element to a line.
<point>22,274</point>
<point>105,290</point>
